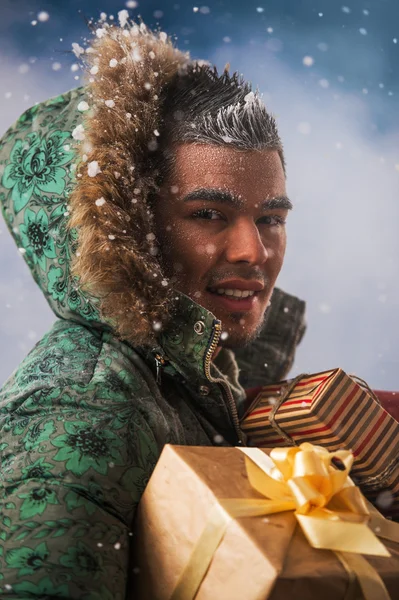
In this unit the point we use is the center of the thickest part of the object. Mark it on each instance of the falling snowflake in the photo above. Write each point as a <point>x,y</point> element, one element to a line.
<point>324,308</point>
<point>24,68</point>
<point>82,106</point>
<point>136,55</point>
<point>113,63</point>
<point>94,70</point>
<point>43,16</point>
<point>100,201</point>
<point>249,98</point>
<point>77,50</point>
<point>123,17</point>
<point>109,103</point>
<point>93,168</point>
<point>308,61</point>
<point>304,127</point>
<point>78,133</point>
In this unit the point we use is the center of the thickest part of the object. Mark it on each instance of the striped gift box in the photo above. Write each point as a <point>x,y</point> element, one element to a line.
<point>331,409</point>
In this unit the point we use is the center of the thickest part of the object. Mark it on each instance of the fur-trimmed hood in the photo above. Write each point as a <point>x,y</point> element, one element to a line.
<point>76,176</point>
<point>117,252</point>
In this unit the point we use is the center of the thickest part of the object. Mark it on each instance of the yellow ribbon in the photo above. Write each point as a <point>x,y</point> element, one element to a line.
<point>330,509</point>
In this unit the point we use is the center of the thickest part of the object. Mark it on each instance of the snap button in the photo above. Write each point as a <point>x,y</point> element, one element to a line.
<point>199,327</point>
<point>204,390</point>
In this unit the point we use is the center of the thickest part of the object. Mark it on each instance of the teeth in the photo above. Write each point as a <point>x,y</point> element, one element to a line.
<point>235,293</point>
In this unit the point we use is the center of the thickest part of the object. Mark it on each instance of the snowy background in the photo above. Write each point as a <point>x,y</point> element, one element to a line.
<point>329,72</point>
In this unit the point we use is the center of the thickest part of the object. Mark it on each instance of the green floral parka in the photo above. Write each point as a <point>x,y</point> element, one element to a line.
<point>85,416</point>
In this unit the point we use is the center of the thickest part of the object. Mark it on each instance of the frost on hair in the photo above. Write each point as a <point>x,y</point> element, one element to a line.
<point>204,107</point>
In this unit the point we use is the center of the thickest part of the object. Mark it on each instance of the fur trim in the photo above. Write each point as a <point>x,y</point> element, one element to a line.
<point>116,260</point>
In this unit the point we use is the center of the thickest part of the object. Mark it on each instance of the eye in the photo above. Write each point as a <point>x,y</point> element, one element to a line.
<point>272,220</point>
<point>207,213</point>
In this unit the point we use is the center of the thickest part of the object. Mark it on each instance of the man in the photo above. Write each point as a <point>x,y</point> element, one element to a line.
<point>150,207</point>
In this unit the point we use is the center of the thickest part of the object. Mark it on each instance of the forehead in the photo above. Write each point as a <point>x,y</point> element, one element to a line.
<point>244,172</point>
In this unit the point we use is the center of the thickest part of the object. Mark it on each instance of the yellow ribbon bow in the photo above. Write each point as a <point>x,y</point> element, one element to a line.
<point>330,509</point>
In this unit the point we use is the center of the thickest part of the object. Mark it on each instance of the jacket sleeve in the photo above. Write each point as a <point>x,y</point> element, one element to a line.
<point>75,461</point>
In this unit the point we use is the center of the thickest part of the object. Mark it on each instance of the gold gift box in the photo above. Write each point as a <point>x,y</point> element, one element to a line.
<point>259,558</point>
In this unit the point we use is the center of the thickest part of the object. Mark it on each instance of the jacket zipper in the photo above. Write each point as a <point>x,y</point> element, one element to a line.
<point>216,333</point>
<point>159,362</point>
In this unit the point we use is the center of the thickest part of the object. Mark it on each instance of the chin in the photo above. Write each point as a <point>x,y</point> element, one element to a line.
<point>242,337</point>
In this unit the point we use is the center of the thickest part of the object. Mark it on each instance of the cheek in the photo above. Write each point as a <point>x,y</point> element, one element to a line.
<point>186,252</point>
<point>276,246</point>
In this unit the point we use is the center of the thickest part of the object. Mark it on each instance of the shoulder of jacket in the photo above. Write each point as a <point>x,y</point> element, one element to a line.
<point>72,360</point>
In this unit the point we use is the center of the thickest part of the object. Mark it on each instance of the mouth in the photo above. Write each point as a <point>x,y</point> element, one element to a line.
<point>234,299</point>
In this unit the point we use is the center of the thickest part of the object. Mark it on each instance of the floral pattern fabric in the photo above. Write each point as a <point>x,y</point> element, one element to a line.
<point>37,174</point>
<point>76,454</point>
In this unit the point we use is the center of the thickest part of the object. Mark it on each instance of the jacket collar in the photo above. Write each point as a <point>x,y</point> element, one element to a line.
<point>185,344</point>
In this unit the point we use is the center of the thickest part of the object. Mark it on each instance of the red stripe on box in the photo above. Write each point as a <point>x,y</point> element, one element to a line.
<point>370,435</point>
<point>285,404</point>
<point>315,380</point>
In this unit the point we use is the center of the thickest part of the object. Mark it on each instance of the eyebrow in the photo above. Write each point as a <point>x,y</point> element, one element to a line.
<point>225,197</point>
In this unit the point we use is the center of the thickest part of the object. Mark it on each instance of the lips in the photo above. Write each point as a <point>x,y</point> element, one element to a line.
<point>232,303</point>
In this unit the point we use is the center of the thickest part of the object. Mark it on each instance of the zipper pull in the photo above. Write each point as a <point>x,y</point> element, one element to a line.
<point>159,362</point>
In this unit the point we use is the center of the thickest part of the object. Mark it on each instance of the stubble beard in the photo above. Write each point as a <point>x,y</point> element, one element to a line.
<point>243,338</point>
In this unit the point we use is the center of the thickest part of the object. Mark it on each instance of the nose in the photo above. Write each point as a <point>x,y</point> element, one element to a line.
<point>244,244</point>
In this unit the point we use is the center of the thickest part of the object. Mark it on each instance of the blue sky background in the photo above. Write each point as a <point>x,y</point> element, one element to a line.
<point>329,72</point>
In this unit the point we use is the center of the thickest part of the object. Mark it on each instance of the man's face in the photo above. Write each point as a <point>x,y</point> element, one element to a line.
<point>220,221</point>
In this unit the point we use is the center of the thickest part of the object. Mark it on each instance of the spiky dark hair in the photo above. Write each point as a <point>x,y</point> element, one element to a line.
<point>203,106</point>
